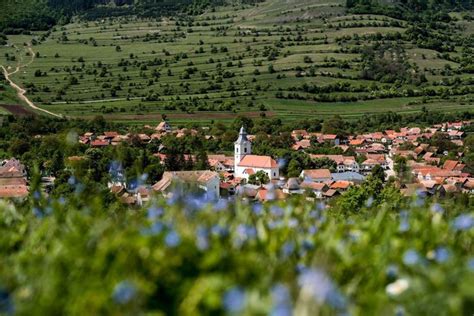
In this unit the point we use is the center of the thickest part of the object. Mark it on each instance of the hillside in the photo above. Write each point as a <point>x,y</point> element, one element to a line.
<point>272,59</point>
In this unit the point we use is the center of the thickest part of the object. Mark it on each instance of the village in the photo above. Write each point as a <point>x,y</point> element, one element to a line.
<point>256,177</point>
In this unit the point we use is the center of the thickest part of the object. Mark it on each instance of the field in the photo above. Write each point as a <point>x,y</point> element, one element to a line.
<point>253,61</point>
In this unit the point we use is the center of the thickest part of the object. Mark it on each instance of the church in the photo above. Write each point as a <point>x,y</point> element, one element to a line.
<point>246,164</point>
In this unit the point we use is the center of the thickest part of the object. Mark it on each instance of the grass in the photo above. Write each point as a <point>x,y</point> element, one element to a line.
<point>248,33</point>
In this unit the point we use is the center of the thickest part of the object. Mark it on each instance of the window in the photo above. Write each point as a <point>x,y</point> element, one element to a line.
<point>237,150</point>
<point>245,150</point>
<point>274,174</point>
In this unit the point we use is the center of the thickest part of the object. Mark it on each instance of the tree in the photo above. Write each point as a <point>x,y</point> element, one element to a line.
<point>294,168</point>
<point>469,143</point>
<point>202,162</point>
<point>240,121</point>
<point>324,163</point>
<point>18,147</point>
<point>259,178</point>
<point>334,125</point>
<point>378,173</point>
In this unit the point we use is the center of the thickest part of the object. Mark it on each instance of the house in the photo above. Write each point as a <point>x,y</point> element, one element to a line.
<point>292,186</point>
<point>318,189</point>
<point>368,165</point>
<point>302,145</point>
<point>316,175</point>
<point>341,185</point>
<point>299,134</point>
<point>331,193</point>
<point>272,194</point>
<point>13,183</point>
<point>246,164</point>
<point>99,143</point>
<point>344,163</point>
<point>144,138</point>
<point>380,158</point>
<point>205,181</point>
<point>453,165</point>
<point>163,127</point>
<point>353,177</point>
<point>221,163</point>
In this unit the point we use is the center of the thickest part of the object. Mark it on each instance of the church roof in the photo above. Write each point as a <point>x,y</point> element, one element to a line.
<point>254,161</point>
<point>242,136</point>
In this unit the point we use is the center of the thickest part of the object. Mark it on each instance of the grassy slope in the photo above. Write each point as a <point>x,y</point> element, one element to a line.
<point>274,16</point>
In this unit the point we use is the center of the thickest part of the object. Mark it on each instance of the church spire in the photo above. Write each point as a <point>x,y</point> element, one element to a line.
<point>242,135</point>
<point>242,147</point>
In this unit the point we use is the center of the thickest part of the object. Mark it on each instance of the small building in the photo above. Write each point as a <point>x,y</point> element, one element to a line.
<point>316,175</point>
<point>204,181</point>
<point>163,127</point>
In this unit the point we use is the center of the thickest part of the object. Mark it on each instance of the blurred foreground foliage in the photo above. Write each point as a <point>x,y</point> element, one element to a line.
<point>187,257</point>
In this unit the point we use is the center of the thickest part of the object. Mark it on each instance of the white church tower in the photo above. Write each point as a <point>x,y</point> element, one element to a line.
<point>242,147</point>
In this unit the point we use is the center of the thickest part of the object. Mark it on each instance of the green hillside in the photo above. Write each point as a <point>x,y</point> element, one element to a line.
<point>273,59</point>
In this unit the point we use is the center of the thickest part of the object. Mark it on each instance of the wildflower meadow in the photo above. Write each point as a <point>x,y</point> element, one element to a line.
<point>185,256</point>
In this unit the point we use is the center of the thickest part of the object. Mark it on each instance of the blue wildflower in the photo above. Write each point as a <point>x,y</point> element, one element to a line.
<point>437,208</point>
<point>48,210</point>
<point>234,300</point>
<point>312,230</point>
<point>369,202</point>
<point>419,202</point>
<point>463,222</point>
<point>399,311</point>
<point>321,206</point>
<point>245,232</point>
<point>287,249</point>
<point>470,264</point>
<point>276,211</point>
<point>221,205</point>
<point>174,197</point>
<point>62,200</point>
<point>307,244</point>
<point>172,239</point>
<point>411,257</point>
<point>72,181</point>
<point>391,271</point>
<point>274,224</point>
<point>6,303</point>
<point>314,214</point>
<point>336,299</point>
<point>124,292</point>
<point>157,228</point>
<point>79,188</point>
<point>404,225</point>
<point>317,284</point>
<point>218,230</point>
<point>441,255</point>
<point>154,212</point>
<point>281,301</point>
<point>300,267</point>
<point>37,195</point>
<point>257,209</point>
<point>202,240</point>
<point>293,222</point>
<point>37,212</point>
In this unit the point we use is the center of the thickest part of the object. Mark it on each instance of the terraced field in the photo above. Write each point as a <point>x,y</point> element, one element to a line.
<point>257,61</point>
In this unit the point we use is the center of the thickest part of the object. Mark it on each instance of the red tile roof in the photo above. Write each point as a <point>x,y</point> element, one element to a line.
<point>317,174</point>
<point>254,161</point>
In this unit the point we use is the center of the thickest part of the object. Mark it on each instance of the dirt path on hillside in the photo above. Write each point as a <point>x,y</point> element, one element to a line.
<point>21,93</point>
